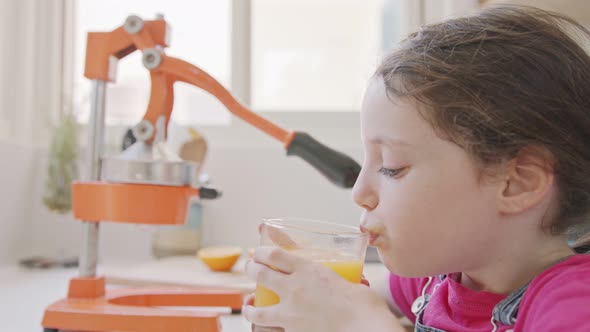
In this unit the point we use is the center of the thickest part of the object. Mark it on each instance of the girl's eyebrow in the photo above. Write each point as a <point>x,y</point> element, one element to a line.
<point>388,141</point>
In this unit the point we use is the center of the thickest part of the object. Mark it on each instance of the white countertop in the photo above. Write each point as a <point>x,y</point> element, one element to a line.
<point>24,294</point>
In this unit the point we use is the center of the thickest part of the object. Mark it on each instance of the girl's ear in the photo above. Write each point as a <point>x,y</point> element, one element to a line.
<point>527,180</point>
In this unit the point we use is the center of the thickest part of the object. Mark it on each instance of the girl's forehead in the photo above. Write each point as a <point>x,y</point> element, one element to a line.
<point>376,95</point>
<point>385,117</point>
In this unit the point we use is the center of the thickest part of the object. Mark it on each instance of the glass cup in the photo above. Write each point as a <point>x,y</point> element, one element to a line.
<point>339,247</point>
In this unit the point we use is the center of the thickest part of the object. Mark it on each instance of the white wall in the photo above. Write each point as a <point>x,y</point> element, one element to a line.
<point>262,182</point>
<point>17,164</point>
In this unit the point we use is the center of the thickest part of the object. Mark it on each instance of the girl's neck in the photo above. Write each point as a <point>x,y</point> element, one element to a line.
<point>514,268</point>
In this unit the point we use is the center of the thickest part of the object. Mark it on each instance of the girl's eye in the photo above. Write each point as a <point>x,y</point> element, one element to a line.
<point>391,172</point>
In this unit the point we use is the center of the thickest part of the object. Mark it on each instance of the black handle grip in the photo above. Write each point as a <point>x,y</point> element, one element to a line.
<point>339,168</point>
<point>209,193</point>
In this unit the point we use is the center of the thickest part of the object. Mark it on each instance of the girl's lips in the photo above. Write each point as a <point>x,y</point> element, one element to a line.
<point>373,236</point>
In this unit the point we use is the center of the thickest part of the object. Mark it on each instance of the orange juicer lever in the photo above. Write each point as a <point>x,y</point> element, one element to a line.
<point>148,185</point>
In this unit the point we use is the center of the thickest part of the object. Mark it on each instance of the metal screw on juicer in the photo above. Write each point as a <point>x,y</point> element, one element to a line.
<point>151,58</point>
<point>133,24</point>
<point>143,131</point>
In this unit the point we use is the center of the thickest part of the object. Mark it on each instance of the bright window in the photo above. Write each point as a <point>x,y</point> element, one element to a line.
<point>314,55</point>
<point>200,34</point>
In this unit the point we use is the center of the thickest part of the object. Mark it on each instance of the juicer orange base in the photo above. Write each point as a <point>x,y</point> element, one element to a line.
<point>89,308</point>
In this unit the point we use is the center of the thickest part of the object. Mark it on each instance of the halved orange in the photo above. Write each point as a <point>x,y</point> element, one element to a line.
<point>220,258</point>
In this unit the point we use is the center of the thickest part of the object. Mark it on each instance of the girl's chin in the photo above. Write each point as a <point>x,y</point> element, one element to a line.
<point>402,266</point>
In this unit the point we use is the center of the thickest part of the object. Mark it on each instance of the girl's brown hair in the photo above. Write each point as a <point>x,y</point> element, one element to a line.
<point>506,79</point>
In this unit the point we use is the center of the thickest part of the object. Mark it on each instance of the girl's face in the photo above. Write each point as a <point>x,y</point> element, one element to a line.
<point>424,203</point>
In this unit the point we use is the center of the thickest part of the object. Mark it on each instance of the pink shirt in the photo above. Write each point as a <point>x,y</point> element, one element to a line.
<point>556,300</point>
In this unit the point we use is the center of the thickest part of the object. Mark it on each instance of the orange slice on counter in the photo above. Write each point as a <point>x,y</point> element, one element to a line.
<point>220,258</point>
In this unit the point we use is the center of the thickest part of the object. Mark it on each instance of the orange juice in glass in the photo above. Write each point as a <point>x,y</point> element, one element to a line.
<point>339,247</point>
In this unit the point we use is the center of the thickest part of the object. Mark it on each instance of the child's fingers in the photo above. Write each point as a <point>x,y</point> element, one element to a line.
<point>249,299</point>
<point>271,279</point>
<point>279,259</point>
<point>262,316</point>
<point>364,281</point>
<point>278,237</point>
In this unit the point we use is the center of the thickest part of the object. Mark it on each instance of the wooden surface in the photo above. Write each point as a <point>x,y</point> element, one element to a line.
<point>191,272</point>
<point>186,271</point>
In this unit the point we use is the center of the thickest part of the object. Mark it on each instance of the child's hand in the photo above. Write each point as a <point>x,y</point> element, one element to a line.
<point>313,297</point>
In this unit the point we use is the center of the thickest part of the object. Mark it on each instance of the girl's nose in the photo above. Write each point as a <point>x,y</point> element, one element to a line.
<point>363,192</point>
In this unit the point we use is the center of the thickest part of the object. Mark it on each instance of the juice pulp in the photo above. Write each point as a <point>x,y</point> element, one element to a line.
<point>348,268</point>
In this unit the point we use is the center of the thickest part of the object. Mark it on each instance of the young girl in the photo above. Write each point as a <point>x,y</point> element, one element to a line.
<point>476,134</point>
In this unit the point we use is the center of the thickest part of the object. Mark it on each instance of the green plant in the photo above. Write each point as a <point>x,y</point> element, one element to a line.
<point>63,165</point>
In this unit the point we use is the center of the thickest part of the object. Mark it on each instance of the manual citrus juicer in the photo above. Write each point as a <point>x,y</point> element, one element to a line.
<point>137,187</point>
